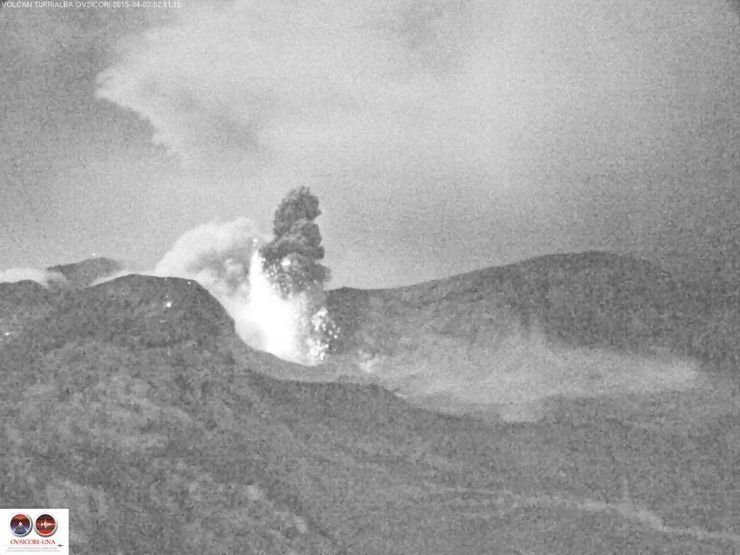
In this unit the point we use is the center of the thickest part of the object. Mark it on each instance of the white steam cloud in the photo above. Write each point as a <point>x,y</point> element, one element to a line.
<point>224,258</point>
<point>344,84</point>
<point>44,277</point>
<point>452,108</point>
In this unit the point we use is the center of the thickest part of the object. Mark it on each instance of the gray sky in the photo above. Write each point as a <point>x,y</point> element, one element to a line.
<point>440,136</point>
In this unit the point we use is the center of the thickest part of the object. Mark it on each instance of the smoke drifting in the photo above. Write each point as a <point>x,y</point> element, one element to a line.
<point>498,119</point>
<point>217,255</point>
<point>225,259</point>
<point>347,84</point>
<point>43,277</point>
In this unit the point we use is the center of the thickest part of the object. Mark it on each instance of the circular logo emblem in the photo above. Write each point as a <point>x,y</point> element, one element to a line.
<point>46,525</point>
<point>20,525</point>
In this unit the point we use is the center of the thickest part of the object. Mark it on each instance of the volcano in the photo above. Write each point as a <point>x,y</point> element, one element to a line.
<point>142,411</point>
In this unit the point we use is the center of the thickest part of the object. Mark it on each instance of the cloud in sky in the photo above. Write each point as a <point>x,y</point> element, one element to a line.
<point>441,99</point>
<point>341,84</point>
<point>43,277</point>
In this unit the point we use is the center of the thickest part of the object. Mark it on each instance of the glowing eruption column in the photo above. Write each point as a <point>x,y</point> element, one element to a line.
<point>277,319</point>
<point>225,259</point>
<point>281,325</point>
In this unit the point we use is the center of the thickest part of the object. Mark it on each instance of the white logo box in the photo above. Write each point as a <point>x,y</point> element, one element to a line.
<point>32,542</point>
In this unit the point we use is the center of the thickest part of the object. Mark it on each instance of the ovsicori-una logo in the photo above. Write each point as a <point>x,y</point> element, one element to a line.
<point>20,525</point>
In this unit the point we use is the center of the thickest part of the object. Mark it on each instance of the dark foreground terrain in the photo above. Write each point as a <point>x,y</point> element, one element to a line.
<point>134,404</point>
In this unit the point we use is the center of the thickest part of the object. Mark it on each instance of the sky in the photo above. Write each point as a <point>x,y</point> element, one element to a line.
<point>439,136</point>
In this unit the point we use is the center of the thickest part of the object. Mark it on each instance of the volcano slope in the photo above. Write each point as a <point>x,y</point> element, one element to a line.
<point>134,404</point>
<point>514,339</point>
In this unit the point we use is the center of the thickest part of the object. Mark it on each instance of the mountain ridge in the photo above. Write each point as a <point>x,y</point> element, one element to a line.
<point>85,272</point>
<point>134,413</point>
<point>592,299</point>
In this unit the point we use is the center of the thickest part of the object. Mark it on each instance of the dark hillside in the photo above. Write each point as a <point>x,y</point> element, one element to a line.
<point>590,299</point>
<point>125,398</point>
<point>134,404</point>
<point>21,303</point>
